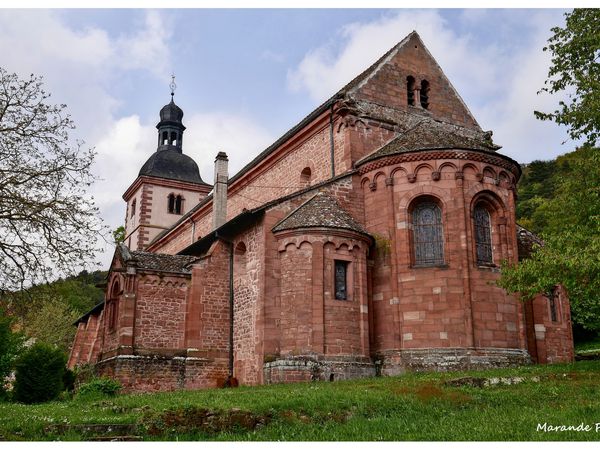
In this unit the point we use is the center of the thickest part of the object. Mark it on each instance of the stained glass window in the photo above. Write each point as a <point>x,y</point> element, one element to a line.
<point>428,233</point>
<point>341,276</point>
<point>483,235</point>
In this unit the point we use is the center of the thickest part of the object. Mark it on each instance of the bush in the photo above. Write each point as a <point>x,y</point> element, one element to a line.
<point>39,374</point>
<point>10,346</point>
<point>69,378</point>
<point>99,387</point>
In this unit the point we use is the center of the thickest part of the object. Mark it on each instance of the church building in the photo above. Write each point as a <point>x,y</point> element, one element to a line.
<point>367,240</point>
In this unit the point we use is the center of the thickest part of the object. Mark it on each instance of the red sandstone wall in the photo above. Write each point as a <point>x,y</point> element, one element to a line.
<point>388,85</point>
<point>247,276</point>
<point>276,179</point>
<point>160,312</point>
<point>553,340</point>
<point>456,305</point>
<point>207,323</point>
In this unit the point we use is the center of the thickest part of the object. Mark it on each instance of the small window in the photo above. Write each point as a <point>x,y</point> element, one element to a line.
<point>175,204</point>
<point>173,138</point>
<point>171,204</point>
<point>424,94</point>
<point>483,235</point>
<point>133,205</point>
<point>165,138</point>
<point>178,204</point>
<point>305,175</point>
<point>410,90</point>
<point>341,280</point>
<point>428,239</point>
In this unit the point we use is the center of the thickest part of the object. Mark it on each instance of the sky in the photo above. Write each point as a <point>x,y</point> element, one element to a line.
<point>246,76</point>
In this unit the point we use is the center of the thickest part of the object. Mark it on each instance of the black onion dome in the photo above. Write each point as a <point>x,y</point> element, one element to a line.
<point>171,113</point>
<point>172,165</point>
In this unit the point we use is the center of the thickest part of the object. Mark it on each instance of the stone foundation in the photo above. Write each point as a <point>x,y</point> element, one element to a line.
<point>313,368</point>
<point>395,362</point>
<point>163,373</point>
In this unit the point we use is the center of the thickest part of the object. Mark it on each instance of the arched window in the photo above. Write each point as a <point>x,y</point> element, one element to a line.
<point>165,138</point>
<point>133,205</point>
<point>483,235</point>
<point>175,204</point>
<point>428,234</point>
<point>305,175</point>
<point>173,138</point>
<point>113,307</point>
<point>410,90</point>
<point>425,94</point>
<point>171,204</point>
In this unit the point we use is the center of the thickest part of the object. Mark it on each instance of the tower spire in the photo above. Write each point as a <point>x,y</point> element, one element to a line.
<point>173,86</point>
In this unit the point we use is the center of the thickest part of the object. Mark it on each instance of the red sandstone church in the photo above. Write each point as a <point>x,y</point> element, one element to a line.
<point>365,241</point>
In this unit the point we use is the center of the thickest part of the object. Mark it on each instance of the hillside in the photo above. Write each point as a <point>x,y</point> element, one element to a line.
<point>47,312</point>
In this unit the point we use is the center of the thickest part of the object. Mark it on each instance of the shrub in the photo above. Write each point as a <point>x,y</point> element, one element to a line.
<point>10,346</point>
<point>69,378</point>
<point>39,374</point>
<point>99,387</point>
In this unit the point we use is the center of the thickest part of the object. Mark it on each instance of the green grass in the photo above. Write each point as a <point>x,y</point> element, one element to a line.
<point>589,345</point>
<point>408,407</point>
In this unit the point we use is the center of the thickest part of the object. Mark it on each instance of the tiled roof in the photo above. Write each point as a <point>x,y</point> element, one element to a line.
<point>157,262</point>
<point>429,134</point>
<point>526,241</point>
<point>321,211</point>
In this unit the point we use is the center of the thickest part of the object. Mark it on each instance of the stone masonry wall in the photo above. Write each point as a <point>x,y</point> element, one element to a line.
<point>455,304</point>
<point>553,339</point>
<point>160,311</point>
<point>247,276</point>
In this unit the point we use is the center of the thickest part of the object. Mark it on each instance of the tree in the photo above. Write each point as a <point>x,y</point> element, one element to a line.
<point>39,374</point>
<point>575,70</point>
<point>52,323</point>
<point>10,346</point>
<point>48,224</point>
<point>571,233</point>
<point>119,234</point>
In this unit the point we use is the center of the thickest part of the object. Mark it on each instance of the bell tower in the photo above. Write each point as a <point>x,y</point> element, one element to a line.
<point>168,184</point>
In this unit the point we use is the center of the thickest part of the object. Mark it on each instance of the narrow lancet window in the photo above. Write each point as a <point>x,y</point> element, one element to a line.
<point>341,280</point>
<point>483,235</point>
<point>424,94</point>
<point>410,90</point>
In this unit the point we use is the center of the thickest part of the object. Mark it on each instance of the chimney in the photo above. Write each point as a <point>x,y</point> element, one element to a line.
<point>220,190</point>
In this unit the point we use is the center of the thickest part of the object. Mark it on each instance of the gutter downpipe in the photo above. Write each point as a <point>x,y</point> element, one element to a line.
<point>331,144</point>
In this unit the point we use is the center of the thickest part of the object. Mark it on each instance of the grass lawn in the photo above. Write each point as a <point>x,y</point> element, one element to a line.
<point>409,407</point>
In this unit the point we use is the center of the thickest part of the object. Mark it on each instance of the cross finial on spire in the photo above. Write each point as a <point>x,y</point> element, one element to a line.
<point>173,86</point>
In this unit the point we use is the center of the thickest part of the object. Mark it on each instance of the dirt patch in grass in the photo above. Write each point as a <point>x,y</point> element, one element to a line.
<point>192,420</point>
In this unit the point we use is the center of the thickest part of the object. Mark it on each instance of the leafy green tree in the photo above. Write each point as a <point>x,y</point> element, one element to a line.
<point>52,323</point>
<point>575,71</point>
<point>39,374</point>
<point>11,344</point>
<point>119,234</point>
<point>571,251</point>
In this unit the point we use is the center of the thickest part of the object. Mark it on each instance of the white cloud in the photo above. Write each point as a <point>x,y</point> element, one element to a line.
<point>497,80</point>
<point>326,69</point>
<point>207,134</point>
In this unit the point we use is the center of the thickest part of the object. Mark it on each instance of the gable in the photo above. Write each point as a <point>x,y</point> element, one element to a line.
<point>385,83</point>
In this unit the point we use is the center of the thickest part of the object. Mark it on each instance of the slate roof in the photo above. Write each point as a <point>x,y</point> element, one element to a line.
<point>321,211</point>
<point>156,261</point>
<point>172,165</point>
<point>429,134</point>
<point>526,241</point>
